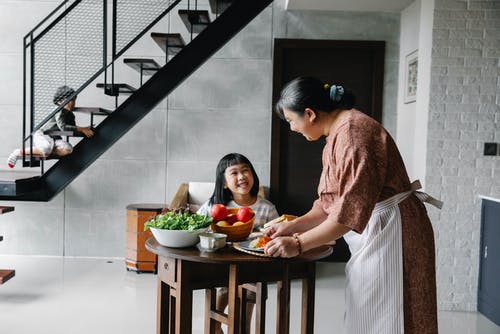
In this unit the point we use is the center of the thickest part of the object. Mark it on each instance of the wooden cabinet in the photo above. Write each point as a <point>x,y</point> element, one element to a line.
<point>6,274</point>
<point>489,267</point>
<point>137,257</point>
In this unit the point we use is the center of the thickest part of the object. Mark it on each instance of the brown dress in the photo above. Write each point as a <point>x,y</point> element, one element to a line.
<point>362,166</point>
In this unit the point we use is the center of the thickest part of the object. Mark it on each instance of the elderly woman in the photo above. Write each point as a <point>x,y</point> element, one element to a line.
<point>364,195</point>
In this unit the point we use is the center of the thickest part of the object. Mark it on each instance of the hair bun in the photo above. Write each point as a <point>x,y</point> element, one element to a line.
<point>336,93</point>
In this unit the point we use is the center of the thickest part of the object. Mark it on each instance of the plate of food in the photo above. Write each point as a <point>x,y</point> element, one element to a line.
<point>255,245</point>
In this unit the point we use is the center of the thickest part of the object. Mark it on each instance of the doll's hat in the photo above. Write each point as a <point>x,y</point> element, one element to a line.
<point>62,93</point>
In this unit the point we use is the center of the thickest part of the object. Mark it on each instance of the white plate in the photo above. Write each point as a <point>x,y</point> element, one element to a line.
<point>246,246</point>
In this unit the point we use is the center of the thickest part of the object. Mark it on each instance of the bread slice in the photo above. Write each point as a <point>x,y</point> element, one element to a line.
<point>280,219</point>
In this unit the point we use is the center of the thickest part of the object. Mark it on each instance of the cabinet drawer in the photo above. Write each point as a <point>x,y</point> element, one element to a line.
<point>166,269</point>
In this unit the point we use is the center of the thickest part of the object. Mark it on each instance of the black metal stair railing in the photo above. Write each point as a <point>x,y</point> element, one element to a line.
<point>187,58</point>
<point>67,48</point>
<point>131,20</point>
<point>70,47</point>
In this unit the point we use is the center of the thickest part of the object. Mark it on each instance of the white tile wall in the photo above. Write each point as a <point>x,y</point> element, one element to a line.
<point>464,113</point>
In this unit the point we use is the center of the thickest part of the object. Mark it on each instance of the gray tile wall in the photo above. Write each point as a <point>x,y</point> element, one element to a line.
<point>464,113</point>
<point>223,107</point>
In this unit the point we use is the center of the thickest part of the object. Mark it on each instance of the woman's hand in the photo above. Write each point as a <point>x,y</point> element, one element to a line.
<point>281,229</point>
<point>282,247</point>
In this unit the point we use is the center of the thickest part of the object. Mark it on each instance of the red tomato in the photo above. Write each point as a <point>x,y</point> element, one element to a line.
<point>218,212</point>
<point>244,214</point>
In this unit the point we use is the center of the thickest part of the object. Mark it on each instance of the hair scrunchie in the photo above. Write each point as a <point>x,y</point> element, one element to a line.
<point>336,93</point>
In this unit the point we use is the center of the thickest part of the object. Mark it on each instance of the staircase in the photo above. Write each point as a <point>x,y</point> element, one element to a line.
<point>6,274</point>
<point>182,59</point>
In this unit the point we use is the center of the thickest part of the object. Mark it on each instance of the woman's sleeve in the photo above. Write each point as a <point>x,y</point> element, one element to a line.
<point>360,172</point>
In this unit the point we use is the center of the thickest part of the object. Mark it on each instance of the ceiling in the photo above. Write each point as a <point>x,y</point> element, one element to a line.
<point>392,6</point>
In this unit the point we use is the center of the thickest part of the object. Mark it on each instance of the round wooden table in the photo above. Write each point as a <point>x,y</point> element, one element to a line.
<point>182,270</point>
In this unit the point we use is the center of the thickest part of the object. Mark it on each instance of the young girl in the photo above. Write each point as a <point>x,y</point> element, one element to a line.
<point>237,185</point>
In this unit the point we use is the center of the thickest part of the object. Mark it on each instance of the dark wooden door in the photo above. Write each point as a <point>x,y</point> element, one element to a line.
<point>489,263</point>
<point>295,162</point>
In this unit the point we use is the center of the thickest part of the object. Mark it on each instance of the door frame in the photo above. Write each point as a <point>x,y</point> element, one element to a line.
<point>280,47</point>
<point>376,49</point>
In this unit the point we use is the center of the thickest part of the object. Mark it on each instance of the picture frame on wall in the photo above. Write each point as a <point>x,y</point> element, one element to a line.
<point>411,71</point>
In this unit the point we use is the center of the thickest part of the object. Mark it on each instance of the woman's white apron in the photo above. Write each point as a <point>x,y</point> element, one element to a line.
<point>374,292</point>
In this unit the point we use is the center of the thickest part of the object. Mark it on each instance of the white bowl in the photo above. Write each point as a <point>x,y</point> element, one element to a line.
<point>176,238</point>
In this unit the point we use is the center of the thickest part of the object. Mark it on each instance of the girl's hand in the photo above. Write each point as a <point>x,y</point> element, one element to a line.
<point>282,247</point>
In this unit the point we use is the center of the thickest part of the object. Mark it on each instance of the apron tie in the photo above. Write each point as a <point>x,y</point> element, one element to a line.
<point>398,198</point>
<point>424,197</point>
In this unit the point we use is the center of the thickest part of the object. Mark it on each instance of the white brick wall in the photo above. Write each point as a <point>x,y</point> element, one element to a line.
<point>464,113</point>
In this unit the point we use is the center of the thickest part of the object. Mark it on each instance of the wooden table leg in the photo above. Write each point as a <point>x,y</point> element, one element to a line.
<point>233,325</point>
<point>308,286</point>
<point>184,300</point>
<point>162,308</point>
<point>283,309</point>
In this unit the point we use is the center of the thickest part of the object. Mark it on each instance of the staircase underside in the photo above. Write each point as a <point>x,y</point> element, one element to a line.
<point>138,105</point>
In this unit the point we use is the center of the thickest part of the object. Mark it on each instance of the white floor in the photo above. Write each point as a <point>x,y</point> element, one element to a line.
<point>73,295</point>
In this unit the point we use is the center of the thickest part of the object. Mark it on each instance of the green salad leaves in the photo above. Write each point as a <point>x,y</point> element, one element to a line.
<point>179,221</point>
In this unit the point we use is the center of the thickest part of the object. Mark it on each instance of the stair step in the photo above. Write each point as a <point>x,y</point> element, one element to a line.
<point>36,159</point>
<point>63,134</point>
<point>144,66</point>
<point>93,110</point>
<point>116,89</point>
<point>50,157</point>
<point>6,274</point>
<point>198,19</point>
<point>19,186</point>
<point>218,6</point>
<point>8,188</point>
<point>5,209</point>
<point>173,42</point>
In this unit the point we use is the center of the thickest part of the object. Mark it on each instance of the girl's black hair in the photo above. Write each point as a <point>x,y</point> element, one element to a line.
<point>308,92</point>
<point>223,195</point>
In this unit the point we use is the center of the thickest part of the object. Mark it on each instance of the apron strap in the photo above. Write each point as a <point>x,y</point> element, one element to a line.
<point>398,198</point>
<point>424,197</point>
